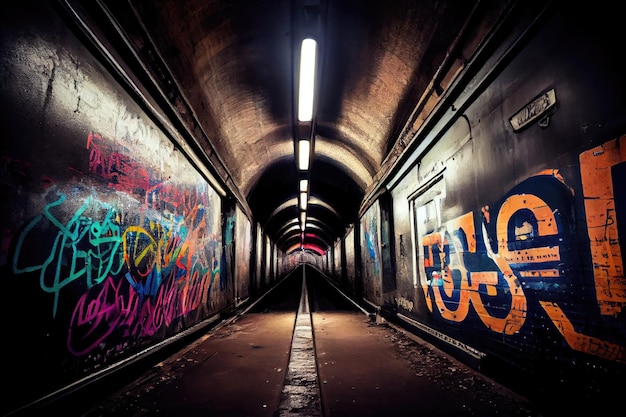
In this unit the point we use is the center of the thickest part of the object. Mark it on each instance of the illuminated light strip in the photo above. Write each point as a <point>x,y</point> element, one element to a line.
<point>304,185</point>
<point>306,90</point>
<point>304,152</point>
<point>303,200</point>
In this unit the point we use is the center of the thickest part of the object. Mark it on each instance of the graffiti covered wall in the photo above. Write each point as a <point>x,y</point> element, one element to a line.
<point>351,273</point>
<point>521,265</point>
<point>370,254</point>
<point>515,246</point>
<point>111,240</point>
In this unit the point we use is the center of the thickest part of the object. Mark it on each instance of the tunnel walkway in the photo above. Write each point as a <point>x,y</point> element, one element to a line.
<point>364,368</point>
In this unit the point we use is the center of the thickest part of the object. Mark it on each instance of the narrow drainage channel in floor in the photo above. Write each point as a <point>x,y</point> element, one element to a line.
<point>301,393</point>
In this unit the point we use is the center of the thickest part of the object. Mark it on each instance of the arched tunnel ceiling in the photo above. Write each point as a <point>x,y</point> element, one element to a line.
<point>228,71</point>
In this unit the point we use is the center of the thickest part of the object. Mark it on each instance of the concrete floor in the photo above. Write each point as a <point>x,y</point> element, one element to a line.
<point>365,369</point>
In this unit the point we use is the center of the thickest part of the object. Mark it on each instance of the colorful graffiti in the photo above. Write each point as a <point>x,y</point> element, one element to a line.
<point>117,168</point>
<point>82,248</point>
<point>144,255</point>
<point>370,235</point>
<point>371,266</point>
<point>525,242</point>
<point>608,270</point>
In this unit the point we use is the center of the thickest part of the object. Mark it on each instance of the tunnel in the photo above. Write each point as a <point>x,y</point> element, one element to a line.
<point>312,208</point>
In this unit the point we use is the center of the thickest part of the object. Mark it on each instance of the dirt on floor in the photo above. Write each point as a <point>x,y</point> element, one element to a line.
<point>365,369</point>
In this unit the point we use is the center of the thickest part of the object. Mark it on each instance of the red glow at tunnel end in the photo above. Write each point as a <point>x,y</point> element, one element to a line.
<point>314,248</point>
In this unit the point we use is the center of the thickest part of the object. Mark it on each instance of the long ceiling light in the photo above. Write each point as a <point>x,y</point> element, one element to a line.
<point>302,220</point>
<point>303,200</point>
<point>304,185</point>
<point>304,153</point>
<point>306,90</point>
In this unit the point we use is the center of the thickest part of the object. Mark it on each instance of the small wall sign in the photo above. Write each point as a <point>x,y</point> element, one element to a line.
<point>533,110</point>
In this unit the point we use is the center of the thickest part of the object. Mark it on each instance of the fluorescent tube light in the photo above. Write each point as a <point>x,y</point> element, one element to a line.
<point>307,80</point>
<point>304,185</point>
<point>303,200</point>
<point>302,219</point>
<point>304,150</point>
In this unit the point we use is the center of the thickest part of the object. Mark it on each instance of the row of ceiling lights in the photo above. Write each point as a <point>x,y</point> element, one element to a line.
<point>306,100</point>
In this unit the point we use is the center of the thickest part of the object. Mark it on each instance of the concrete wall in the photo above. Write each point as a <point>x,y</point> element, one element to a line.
<point>243,250</point>
<point>510,242</point>
<point>112,242</point>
